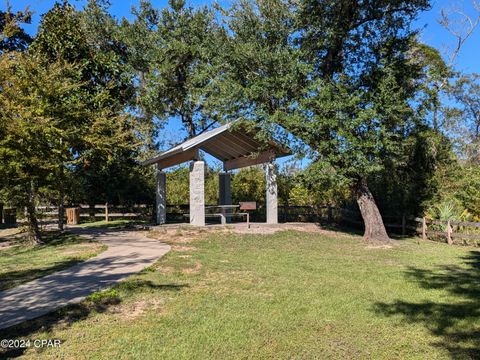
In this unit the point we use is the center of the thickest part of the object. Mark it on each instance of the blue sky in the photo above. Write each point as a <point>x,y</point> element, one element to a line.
<point>431,32</point>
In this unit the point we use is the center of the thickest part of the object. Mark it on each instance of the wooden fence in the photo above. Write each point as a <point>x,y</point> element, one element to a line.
<point>449,230</point>
<point>336,215</point>
<point>177,214</point>
<point>101,212</point>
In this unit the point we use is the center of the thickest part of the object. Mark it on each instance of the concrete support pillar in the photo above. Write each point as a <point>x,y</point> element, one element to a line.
<point>197,193</point>
<point>161,196</point>
<point>224,189</point>
<point>272,193</point>
<point>225,195</point>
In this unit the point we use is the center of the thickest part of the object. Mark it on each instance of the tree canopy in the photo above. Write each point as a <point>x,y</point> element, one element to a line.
<point>12,35</point>
<point>379,114</point>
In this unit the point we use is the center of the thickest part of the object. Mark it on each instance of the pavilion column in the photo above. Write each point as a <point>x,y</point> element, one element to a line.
<point>224,194</point>
<point>161,195</point>
<point>272,193</point>
<point>197,193</point>
<point>224,189</point>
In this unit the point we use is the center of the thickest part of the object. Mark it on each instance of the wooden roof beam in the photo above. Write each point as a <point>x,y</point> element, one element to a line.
<point>188,155</point>
<point>245,161</point>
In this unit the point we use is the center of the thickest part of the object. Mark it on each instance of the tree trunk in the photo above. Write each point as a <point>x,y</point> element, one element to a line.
<point>61,200</point>
<point>61,209</point>
<point>33,228</point>
<point>374,228</point>
<point>61,215</point>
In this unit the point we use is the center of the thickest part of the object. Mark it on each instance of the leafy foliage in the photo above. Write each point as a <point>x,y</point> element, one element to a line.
<point>178,191</point>
<point>175,62</point>
<point>37,105</point>
<point>460,185</point>
<point>104,167</point>
<point>12,36</point>
<point>264,70</point>
<point>364,98</point>
<point>466,91</point>
<point>249,185</point>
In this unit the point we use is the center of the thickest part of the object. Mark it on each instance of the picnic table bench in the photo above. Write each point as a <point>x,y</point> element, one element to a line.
<point>226,211</point>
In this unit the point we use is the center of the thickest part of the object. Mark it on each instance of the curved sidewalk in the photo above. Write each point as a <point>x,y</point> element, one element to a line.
<point>128,252</point>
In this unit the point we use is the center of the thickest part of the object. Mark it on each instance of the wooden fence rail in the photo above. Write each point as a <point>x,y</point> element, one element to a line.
<point>451,229</point>
<point>102,211</point>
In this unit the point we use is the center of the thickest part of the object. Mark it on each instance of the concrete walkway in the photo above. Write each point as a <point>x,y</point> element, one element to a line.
<point>128,252</point>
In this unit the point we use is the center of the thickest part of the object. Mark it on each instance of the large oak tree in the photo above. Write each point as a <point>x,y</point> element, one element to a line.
<point>339,76</point>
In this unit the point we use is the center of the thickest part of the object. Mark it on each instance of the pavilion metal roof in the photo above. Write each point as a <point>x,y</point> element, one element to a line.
<point>233,145</point>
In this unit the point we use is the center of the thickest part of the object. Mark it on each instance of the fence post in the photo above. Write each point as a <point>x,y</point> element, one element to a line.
<point>449,233</point>
<point>106,211</point>
<point>403,225</point>
<point>1,213</point>
<point>424,229</point>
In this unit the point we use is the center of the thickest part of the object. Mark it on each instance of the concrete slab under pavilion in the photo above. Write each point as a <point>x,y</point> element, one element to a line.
<point>236,147</point>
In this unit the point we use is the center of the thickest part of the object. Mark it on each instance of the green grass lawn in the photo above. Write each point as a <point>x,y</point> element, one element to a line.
<point>23,262</point>
<point>112,224</point>
<point>290,295</point>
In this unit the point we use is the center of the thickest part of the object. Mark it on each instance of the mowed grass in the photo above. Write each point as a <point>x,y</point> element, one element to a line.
<point>112,224</point>
<point>23,262</point>
<point>290,295</point>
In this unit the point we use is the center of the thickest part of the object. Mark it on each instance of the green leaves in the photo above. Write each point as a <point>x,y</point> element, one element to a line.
<point>174,54</point>
<point>12,36</point>
<point>34,119</point>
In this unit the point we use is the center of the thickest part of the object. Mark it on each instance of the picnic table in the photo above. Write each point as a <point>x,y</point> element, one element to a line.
<point>225,211</point>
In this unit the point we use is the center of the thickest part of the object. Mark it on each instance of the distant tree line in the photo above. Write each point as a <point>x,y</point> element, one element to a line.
<point>388,124</point>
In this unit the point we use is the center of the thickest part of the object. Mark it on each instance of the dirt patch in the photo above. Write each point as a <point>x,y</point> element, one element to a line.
<point>129,312</point>
<point>134,311</point>
<point>262,228</point>
<point>6,245</point>
<point>187,233</point>
<point>383,246</point>
<point>180,235</point>
<point>193,270</point>
<point>164,269</point>
<point>11,233</point>
<point>11,237</point>
<point>327,328</point>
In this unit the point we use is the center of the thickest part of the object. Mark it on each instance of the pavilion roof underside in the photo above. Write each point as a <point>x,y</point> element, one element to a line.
<point>234,146</point>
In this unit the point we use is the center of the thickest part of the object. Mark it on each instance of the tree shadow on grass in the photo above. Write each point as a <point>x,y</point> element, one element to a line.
<point>68,315</point>
<point>456,323</point>
<point>358,230</point>
<point>342,227</point>
<point>14,278</point>
<point>51,240</point>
